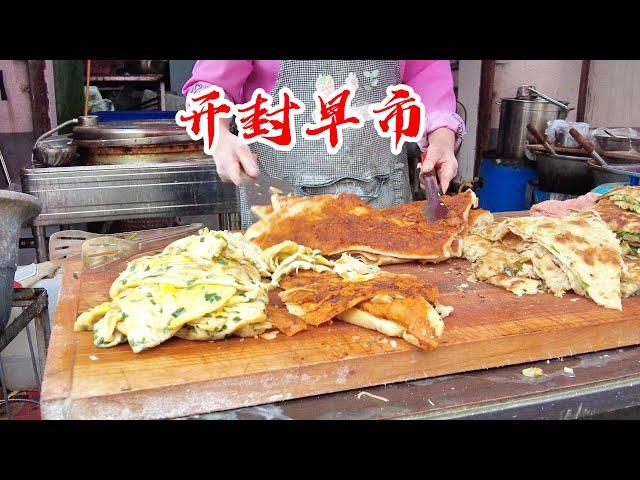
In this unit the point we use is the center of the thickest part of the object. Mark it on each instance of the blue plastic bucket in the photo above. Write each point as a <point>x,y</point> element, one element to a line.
<point>535,195</point>
<point>504,185</point>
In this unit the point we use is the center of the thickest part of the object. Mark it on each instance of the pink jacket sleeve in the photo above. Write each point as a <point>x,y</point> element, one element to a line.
<point>230,75</point>
<point>433,81</point>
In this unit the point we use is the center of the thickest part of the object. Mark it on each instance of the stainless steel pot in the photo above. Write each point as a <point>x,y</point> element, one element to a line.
<point>516,113</point>
<point>56,151</point>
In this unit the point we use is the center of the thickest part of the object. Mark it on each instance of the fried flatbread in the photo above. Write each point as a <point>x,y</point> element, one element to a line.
<point>630,279</point>
<point>345,223</point>
<point>585,248</point>
<point>529,254</point>
<point>499,264</point>
<point>397,305</point>
<point>627,198</point>
<point>624,223</point>
<point>282,320</point>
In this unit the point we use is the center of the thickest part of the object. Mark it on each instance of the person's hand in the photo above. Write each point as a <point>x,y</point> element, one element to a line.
<point>440,154</point>
<point>232,157</point>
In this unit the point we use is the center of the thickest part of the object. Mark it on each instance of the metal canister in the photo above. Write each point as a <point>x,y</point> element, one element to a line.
<point>515,114</point>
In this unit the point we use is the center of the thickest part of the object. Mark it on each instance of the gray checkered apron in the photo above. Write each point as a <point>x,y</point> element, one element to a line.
<point>364,165</point>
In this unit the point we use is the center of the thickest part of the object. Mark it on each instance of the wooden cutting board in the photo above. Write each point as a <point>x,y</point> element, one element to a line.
<point>489,327</point>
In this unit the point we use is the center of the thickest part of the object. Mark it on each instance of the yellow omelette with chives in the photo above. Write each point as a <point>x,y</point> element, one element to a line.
<point>203,287</point>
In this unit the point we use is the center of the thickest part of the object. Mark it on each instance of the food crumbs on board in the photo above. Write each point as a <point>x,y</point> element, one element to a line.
<point>367,394</point>
<point>125,388</point>
<point>568,370</point>
<point>430,402</point>
<point>75,274</point>
<point>269,335</point>
<point>93,357</point>
<point>532,372</point>
<point>574,299</point>
<point>394,344</point>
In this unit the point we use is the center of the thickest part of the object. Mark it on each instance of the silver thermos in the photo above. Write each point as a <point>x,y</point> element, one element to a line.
<point>529,106</point>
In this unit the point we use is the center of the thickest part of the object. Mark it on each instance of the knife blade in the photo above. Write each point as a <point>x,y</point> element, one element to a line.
<point>259,189</point>
<point>434,207</point>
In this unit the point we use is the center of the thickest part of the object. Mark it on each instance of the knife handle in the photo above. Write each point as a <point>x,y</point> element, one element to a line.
<point>424,176</point>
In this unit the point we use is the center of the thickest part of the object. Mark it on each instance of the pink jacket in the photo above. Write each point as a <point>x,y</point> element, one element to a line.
<point>431,79</point>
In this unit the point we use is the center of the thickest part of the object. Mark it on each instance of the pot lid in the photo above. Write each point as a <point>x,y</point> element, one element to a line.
<point>530,93</point>
<point>128,130</point>
<point>532,100</point>
<point>130,133</point>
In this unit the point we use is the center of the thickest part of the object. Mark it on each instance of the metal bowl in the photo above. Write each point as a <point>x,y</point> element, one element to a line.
<point>619,170</point>
<point>613,144</point>
<point>56,151</point>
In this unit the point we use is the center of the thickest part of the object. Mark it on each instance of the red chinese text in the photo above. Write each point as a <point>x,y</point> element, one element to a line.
<point>331,116</point>
<point>259,121</point>
<point>202,117</point>
<point>400,116</point>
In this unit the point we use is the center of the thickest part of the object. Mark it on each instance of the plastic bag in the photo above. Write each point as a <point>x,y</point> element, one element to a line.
<point>557,133</point>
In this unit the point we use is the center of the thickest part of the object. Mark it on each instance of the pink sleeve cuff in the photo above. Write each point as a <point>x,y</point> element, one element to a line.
<point>200,85</point>
<point>443,119</point>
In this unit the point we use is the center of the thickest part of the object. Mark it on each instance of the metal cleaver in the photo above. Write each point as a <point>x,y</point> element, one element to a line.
<point>259,189</point>
<point>434,208</point>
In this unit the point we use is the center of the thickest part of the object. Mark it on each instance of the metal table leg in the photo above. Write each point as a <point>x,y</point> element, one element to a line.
<point>43,332</point>
<point>35,305</point>
<point>40,237</point>
<point>5,394</point>
<point>36,370</point>
<point>161,96</point>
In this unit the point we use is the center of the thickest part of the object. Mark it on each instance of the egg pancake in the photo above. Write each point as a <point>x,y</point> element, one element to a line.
<point>203,287</point>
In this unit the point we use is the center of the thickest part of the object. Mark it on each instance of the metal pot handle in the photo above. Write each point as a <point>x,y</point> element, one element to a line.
<point>73,121</point>
<point>550,99</point>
